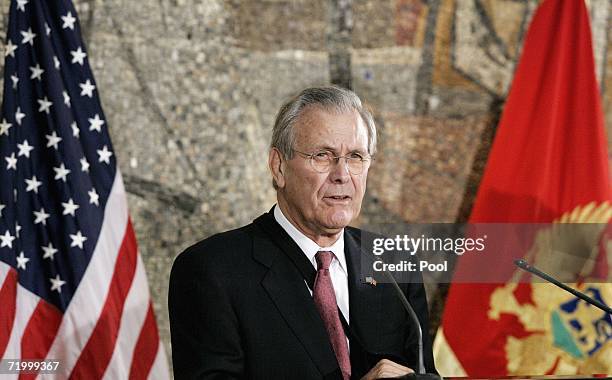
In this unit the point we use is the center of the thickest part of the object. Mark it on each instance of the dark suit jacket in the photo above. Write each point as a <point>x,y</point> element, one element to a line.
<point>239,308</point>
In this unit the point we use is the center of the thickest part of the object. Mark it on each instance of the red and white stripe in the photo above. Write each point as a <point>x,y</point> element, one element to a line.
<point>108,330</point>
<point>8,298</point>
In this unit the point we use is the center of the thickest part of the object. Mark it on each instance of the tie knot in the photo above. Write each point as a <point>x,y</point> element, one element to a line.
<point>324,259</point>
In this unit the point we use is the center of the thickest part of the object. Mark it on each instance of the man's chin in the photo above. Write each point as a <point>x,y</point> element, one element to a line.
<point>338,221</point>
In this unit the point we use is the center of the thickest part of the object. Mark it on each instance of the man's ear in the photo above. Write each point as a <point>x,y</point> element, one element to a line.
<point>276,163</point>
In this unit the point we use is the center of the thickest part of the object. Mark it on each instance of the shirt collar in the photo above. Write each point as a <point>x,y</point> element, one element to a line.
<point>307,245</point>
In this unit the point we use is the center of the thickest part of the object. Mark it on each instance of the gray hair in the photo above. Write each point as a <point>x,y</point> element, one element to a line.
<point>329,98</point>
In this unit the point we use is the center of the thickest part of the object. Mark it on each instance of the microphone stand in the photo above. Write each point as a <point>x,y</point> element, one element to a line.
<point>421,374</point>
<point>525,266</point>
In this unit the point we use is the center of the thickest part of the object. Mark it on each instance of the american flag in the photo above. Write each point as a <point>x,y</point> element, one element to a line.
<point>72,285</point>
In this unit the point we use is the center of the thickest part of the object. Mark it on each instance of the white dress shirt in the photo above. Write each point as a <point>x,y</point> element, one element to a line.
<point>337,268</point>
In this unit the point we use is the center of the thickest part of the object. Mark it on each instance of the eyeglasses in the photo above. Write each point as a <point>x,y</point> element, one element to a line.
<point>322,161</point>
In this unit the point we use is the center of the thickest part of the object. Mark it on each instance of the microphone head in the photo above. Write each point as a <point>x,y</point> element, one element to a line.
<point>521,263</point>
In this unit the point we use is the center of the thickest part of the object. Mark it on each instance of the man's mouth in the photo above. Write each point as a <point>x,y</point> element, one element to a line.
<point>338,197</point>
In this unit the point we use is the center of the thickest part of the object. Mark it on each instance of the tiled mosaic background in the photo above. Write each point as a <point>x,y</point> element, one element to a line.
<point>190,89</point>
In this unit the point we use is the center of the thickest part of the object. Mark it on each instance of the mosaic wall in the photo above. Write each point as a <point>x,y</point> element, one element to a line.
<point>190,89</point>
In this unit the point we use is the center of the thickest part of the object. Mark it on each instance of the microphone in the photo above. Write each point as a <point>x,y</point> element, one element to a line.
<point>525,266</point>
<point>420,374</point>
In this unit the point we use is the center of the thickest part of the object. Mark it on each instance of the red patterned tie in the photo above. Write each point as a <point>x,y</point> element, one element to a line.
<point>325,300</point>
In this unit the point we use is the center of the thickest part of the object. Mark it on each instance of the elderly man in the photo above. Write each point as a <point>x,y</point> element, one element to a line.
<point>284,297</point>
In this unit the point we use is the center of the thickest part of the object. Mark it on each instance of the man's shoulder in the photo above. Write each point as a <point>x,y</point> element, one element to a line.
<point>220,248</point>
<point>235,237</point>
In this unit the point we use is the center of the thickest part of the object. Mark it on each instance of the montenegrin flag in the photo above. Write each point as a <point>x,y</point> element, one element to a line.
<point>548,164</point>
<point>73,288</point>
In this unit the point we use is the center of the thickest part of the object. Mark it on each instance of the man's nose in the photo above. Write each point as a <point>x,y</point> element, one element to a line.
<point>339,171</point>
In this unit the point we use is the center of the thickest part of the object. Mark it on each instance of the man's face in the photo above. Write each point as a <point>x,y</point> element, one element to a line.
<point>324,203</point>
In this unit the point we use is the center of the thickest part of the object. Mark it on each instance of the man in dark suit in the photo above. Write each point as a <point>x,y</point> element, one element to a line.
<point>287,296</point>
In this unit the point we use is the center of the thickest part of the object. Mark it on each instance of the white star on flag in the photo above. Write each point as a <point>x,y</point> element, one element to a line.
<point>11,162</point>
<point>7,240</point>
<point>49,251</point>
<point>22,261</point>
<point>47,29</point>
<point>15,80</point>
<point>104,154</point>
<point>75,129</point>
<point>45,104</point>
<point>56,63</point>
<point>21,4</point>
<point>96,123</point>
<point>68,20</point>
<point>69,207</point>
<point>61,172</point>
<point>33,184</point>
<point>57,283</point>
<point>17,229</point>
<point>24,149</point>
<point>9,49</point>
<point>4,127</point>
<point>78,55</point>
<point>41,216</point>
<point>77,240</point>
<point>36,72</point>
<point>93,197</point>
<point>87,88</point>
<point>53,139</point>
<point>1,208</point>
<point>19,115</point>
<point>84,165</point>
<point>28,37</point>
<point>66,98</point>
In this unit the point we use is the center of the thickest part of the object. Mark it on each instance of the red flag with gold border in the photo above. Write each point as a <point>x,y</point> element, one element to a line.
<point>548,164</point>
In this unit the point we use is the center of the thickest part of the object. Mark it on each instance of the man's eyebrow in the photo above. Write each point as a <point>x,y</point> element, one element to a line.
<point>318,148</point>
<point>333,150</point>
<point>326,147</point>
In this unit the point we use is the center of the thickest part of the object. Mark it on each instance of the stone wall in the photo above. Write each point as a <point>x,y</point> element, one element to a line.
<point>190,89</point>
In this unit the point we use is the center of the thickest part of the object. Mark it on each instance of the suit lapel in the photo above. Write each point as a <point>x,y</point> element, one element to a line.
<point>364,299</point>
<point>284,283</point>
<point>366,303</point>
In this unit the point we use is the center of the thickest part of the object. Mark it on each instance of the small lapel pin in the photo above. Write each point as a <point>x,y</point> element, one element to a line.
<point>370,280</point>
